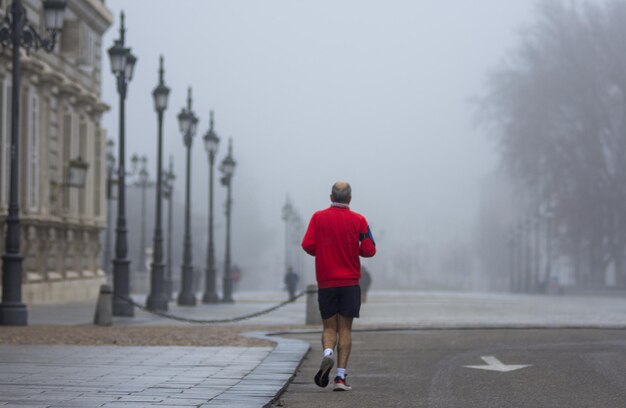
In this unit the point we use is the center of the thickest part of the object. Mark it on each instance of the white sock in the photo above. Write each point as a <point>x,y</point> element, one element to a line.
<point>341,373</point>
<point>328,352</point>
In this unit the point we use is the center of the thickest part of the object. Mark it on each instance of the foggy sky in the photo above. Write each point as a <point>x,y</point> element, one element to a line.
<point>373,92</point>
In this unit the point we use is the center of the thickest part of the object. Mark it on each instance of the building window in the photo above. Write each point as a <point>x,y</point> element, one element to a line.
<point>79,42</point>
<point>32,187</point>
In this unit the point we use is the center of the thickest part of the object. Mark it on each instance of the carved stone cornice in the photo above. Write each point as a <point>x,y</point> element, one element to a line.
<point>56,222</point>
<point>31,65</point>
<point>51,79</point>
<point>94,11</point>
<point>62,85</point>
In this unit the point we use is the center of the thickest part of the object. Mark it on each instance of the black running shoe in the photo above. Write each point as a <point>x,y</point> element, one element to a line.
<point>321,378</point>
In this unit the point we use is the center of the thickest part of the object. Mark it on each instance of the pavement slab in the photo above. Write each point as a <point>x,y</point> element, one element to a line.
<point>97,376</point>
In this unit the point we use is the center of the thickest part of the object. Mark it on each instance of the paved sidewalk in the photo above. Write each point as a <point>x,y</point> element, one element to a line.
<point>104,376</point>
<point>245,303</point>
<point>246,377</point>
<point>384,308</point>
<point>116,376</point>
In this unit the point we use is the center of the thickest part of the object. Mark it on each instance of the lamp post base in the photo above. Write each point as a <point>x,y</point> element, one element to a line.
<point>157,303</point>
<point>13,314</point>
<point>186,299</point>
<point>121,288</point>
<point>210,298</point>
<point>168,289</point>
<point>123,309</point>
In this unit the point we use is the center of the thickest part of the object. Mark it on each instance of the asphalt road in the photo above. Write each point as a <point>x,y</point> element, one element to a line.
<point>568,368</point>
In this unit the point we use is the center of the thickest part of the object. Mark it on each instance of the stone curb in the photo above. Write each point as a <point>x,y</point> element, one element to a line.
<point>458,327</point>
<point>263,385</point>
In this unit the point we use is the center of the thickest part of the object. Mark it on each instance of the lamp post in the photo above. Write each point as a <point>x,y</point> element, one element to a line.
<point>512,261</point>
<point>143,182</point>
<point>287,216</point>
<point>536,286</point>
<point>168,193</point>
<point>528,254</point>
<point>298,232</point>
<point>111,181</point>
<point>15,32</point>
<point>228,169</point>
<point>549,215</point>
<point>211,144</point>
<point>188,123</point>
<point>519,256</point>
<point>157,300</point>
<point>122,65</point>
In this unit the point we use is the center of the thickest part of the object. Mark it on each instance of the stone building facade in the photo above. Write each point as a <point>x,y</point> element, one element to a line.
<point>60,114</point>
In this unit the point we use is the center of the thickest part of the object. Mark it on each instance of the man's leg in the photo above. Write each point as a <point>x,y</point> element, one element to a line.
<point>345,340</point>
<point>329,341</point>
<point>344,327</point>
<point>329,334</point>
<point>350,306</point>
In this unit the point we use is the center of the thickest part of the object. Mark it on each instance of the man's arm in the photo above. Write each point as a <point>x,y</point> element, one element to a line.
<point>367,248</point>
<point>308,242</point>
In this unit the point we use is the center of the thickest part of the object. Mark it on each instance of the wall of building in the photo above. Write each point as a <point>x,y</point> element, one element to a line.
<point>60,112</point>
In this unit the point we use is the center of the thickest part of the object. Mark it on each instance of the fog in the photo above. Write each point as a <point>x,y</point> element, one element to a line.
<point>375,93</point>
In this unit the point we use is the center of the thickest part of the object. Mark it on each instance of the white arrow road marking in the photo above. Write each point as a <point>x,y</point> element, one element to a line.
<point>493,364</point>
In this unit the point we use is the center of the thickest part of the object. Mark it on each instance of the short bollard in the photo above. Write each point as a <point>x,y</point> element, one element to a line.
<point>312,311</point>
<point>104,307</point>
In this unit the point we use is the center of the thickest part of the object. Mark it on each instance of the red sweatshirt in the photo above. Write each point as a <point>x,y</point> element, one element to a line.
<point>336,237</point>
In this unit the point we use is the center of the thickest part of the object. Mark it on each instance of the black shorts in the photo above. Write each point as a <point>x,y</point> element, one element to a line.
<point>344,300</point>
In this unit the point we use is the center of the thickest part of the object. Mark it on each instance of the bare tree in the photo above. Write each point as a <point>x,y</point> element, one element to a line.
<point>558,105</point>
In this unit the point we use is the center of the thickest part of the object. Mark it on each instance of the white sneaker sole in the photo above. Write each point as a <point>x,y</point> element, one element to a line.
<point>322,376</point>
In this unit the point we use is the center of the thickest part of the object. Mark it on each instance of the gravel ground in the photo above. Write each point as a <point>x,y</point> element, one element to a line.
<point>138,335</point>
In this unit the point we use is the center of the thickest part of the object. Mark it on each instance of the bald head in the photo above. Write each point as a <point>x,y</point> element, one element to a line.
<point>341,192</point>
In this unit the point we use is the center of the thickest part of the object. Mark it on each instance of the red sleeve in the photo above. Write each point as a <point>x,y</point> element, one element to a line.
<point>308,242</point>
<point>368,246</point>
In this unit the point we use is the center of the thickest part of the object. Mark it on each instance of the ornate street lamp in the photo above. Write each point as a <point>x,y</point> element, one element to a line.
<point>211,144</point>
<point>298,232</point>
<point>287,216</point>
<point>549,216</point>
<point>519,272</point>
<point>188,123</point>
<point>143,183</point>
<point>168,194</point>
<point>512,261</point>
<point>111,195</point>
<point>157,300</point>
<point>15,32</point>
<point>536,276</point>
<point>228,169</point>
<point>111,180</point>
<point>528,264</point>
<point>122,66</point>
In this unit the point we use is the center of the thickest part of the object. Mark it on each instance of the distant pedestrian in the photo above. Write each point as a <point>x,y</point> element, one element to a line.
<point>336,237</point>
<point>291,282</point>
<point>235,276</point>
<point>365,283</point>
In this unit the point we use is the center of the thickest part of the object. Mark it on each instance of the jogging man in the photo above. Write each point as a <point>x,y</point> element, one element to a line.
<point>336,237</point>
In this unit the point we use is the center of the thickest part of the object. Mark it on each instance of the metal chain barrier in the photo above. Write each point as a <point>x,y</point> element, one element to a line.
<point>213,321</point>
